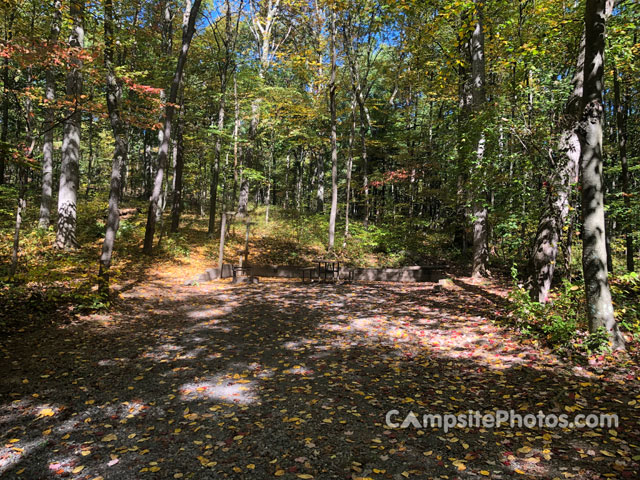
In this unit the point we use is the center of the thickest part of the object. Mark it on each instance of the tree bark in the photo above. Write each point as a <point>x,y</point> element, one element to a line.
<point>6,82</point>
<point>114,98</point>
<point>334,131</point>
<point>229,47</point>
<point>47,147</point>
<point>558,196</point>
<point>478,95</point>
<point>358,86</point>
<point>215,166</point>
<point>594,256</point>
<point>352,134</point>
<point>243,199</point>
<point>319,181</point>
<point>188,28</point>
<point>69,169</point>
<point>176,200</point>
<point>22,205</point>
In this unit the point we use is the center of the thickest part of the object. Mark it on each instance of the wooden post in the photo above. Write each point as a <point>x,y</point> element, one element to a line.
<point>223,229</point>
<point>246,241</point>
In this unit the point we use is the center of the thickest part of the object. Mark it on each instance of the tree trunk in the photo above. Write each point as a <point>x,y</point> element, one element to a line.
<point>229,44</point>
<point>334,133</point>
<point>215,167</point>
<point>49,124</point>
<point>188,28</point>
<point>236,131</point>
<point>6,82</point>
<point>114,97</point>
<point>549,233</point>
<point>365,120</point>
<point>462,170</point>
<point>22,205</point>
<point>148,165</point>
<point>352,134</point>
<point>621,125</point>
<point>594,256</point>
<point>270,167</point>
<point>299,166</point>
<point>176,200</point>
<point>91,158</point>
<point>480,209</point>
<point>319,182</point>
<point>243,199</point>
<point>69,169</point>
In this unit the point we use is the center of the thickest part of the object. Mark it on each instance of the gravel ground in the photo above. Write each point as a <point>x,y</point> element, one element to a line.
<point>286,380</point>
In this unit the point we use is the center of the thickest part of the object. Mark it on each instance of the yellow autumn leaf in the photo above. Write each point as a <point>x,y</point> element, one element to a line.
<point>304,475</point>
<point>78,469</point>
<point>485,473</point>
<point>109,438</point>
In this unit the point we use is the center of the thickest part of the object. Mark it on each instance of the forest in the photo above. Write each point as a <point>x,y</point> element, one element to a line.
<point>485,153</point>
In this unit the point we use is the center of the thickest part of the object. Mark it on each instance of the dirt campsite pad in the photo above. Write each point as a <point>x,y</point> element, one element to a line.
<point>280,379</point>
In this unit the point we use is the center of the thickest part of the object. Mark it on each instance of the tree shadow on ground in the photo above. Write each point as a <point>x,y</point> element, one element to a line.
<point>285,379</point>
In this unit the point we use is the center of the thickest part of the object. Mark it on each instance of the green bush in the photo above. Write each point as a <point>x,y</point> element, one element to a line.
<point>625,291</point>
<point>557,323</point>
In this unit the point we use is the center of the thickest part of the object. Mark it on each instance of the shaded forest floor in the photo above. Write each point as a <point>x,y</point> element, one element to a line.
<point>286,380</point>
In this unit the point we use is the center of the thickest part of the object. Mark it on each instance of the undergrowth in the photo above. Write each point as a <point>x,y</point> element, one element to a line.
<point>562,322</point>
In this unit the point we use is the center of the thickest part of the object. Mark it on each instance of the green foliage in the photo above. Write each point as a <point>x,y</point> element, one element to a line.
<point>126,230</point>
<point>175,245</point>
<point>597,342</point>
<point>562,322</point>
<point>625,290</point>
<point>556,323</point>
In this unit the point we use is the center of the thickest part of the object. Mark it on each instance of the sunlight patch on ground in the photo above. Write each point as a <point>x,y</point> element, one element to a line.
<point>12,454</point>
<point>207,313</point>
<point>221,388</point>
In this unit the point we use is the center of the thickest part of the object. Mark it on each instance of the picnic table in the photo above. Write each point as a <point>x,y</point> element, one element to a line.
<point>326,269</point>
<point>242,270</point>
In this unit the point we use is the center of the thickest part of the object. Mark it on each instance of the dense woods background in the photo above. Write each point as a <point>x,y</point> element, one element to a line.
<point>491,134</point>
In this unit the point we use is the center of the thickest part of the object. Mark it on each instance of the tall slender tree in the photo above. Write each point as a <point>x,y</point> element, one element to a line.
<point>334,127</point>
<point>594,254</point>
<point>70,166</point>
<point>478,98</point>
<point>565,164</point>
<point>226,44</point>
<point>188,28</point>
<point>47,145</point>
<point>114,101</point>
